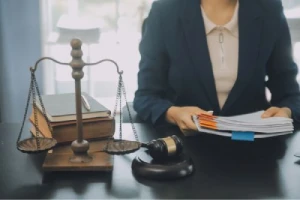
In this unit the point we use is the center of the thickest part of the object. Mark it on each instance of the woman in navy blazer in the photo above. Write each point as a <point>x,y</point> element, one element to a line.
<point>176,79</point>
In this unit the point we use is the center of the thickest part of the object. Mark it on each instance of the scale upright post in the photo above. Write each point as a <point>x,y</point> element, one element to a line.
<point>80,146</point>
<point>82,155</point>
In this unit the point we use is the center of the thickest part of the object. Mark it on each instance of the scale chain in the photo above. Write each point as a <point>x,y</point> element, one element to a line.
<point>129,114</point>
<point>42,105</point>
<point>118,101</point>
<point>115,110</point>
<point>120,91</point>
<point>33,89</point>
<point>120,113</point>
<point>26,108</point>
<point>35,114</point>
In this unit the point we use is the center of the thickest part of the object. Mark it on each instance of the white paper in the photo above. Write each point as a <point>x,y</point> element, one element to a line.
<point>252,122</point>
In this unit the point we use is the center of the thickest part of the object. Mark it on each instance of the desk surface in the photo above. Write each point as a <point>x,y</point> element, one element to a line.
<point>224,169</point>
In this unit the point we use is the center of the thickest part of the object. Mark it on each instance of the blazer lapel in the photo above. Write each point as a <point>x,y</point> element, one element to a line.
<point>194,31</point>
<point>250,27</point>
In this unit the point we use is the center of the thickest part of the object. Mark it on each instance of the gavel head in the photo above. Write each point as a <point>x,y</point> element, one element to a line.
<point>165,148</point>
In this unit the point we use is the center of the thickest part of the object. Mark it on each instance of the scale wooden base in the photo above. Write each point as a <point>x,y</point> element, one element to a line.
<point>58,159</point>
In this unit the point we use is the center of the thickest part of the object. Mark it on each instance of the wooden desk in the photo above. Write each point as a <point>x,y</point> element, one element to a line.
<point>224,169</point>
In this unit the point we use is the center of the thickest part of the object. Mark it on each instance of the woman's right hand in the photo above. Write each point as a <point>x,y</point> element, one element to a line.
<point>182,117</point>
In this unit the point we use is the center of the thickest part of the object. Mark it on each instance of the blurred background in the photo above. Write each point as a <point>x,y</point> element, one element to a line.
<point>108,28</point>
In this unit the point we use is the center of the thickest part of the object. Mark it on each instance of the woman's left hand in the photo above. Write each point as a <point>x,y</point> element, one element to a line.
<point>277,112</point>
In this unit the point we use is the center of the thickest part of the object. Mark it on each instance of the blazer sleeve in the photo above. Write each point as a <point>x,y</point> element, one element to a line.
<point>282,73</point>
<point>149,101</point>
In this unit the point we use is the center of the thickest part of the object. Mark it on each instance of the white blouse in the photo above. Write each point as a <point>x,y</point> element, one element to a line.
<point>223,45</point>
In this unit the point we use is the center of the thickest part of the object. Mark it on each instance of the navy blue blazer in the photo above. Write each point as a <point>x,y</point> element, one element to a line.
<point>175,67</point>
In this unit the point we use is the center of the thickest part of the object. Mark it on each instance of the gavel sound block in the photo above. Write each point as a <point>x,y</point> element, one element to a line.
<point>163,160</point>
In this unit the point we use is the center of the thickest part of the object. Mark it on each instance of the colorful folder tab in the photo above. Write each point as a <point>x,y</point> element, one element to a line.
<point>244,136</point>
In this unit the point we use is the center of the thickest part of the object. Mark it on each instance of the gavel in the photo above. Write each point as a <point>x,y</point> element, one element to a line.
<point>158,149</point>
<point>164,148</point>
<point>167,157</point>
<point>164,160</point>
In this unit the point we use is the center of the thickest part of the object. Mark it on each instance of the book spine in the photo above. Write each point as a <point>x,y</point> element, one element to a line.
<point>65,133</point>
<point>91,130</point>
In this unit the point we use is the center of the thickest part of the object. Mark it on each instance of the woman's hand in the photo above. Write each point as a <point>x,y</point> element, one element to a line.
<point>182,117</point>
<point>277,112</point>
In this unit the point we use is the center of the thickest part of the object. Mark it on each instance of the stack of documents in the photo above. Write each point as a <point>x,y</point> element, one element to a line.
<point>244,127</point>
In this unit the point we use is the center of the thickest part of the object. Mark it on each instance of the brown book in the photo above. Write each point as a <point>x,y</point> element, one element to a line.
<point>94,128</point>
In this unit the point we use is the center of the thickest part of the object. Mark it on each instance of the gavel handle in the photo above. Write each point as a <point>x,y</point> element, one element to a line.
<point>145,145</point>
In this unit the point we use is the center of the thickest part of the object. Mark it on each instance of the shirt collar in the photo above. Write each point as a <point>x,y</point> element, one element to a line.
<point>231,26</point>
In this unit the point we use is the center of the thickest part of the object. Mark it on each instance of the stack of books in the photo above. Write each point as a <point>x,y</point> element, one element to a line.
<point>61,112</point>
<point>244,127</point>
